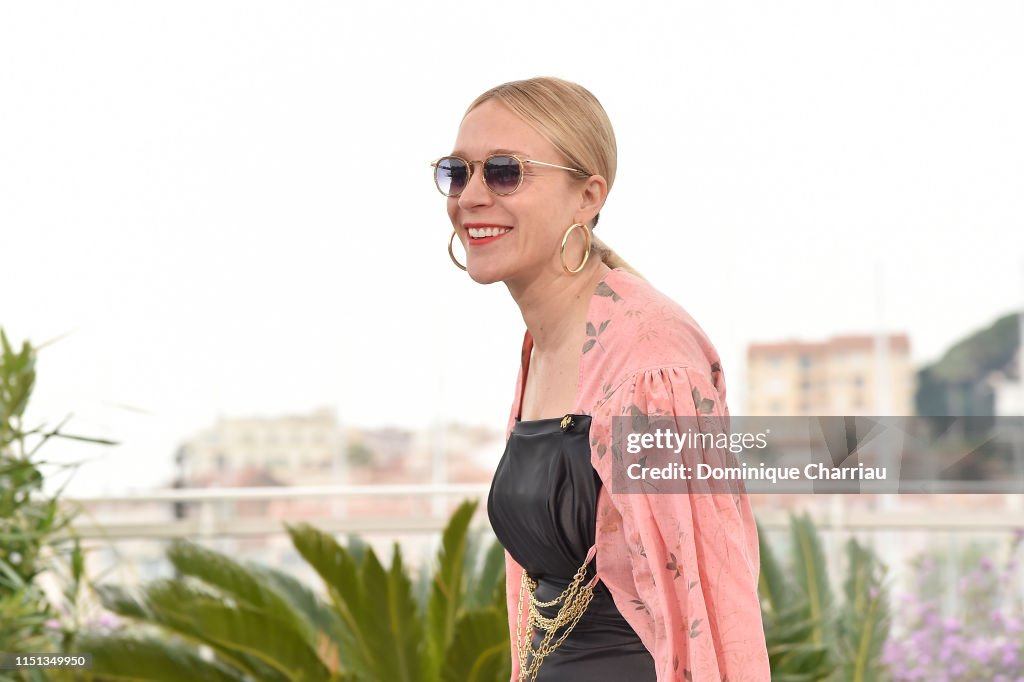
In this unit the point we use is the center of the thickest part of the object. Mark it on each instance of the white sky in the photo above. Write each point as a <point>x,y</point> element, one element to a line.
<point>228,204</point>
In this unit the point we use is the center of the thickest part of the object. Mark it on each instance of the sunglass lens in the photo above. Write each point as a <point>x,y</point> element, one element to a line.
<point>503,174</point>
<point>451,175</point>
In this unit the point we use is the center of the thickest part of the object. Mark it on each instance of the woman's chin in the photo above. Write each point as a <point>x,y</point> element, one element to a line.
<point>487,273</point>
<point>484,276</point>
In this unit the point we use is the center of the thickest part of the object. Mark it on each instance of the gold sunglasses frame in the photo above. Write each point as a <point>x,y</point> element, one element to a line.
<point>522,171</point>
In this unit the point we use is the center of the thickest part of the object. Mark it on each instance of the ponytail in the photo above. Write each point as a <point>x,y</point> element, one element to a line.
<point>610,258</point>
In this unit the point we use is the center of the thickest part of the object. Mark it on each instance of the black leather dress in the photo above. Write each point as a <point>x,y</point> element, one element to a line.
<point>543,508</point>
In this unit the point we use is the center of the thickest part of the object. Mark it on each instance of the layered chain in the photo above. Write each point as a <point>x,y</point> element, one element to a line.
<point>576,598</point>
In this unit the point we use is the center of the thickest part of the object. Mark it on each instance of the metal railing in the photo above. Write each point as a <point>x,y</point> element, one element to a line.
<point>206,522</point>
<point>894,533</point>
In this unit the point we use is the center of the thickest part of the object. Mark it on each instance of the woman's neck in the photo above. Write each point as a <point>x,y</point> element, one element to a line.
<point>555,308</point>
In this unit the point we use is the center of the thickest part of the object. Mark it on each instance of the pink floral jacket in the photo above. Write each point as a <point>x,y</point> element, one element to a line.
<point>681,568</point>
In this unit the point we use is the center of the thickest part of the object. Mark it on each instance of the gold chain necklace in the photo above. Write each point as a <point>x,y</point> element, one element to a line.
<point>576,597</point>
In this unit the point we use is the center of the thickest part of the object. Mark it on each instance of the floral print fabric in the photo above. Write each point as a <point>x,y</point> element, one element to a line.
<point>681,568</point>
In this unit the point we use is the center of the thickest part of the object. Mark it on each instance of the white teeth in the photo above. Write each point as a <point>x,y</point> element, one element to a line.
<point>481,232</point>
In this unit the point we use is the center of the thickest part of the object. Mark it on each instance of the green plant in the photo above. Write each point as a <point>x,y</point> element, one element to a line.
<point>259,623</point>
<point>35,527</point>
<point>809,635</point>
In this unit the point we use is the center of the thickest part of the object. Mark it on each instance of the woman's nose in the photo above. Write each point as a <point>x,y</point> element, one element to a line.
<point>475,192</point>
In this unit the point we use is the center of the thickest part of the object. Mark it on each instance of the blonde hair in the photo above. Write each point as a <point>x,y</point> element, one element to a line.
<point>569,117</point>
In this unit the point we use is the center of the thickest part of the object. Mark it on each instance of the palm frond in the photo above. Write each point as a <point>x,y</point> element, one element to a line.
<point>772,584</point>
<point>479,651</point>
<point>393,625</point>
<point>238,582</point>
<point>811,578</point>
<point>147,659</point>
<point>865,619</point>
<point>448,586</point>
<point>491,574</point>
<point>350,598</point>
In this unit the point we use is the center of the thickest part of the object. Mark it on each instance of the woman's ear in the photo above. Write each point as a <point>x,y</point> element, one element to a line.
<point>592,197</point>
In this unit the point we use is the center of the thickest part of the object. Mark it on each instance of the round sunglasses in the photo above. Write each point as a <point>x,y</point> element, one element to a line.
<point>503,173</point>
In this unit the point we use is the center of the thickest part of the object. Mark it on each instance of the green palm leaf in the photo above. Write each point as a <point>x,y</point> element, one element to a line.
<point>490,576</point>
<point>448,586</point>
<point>263,624</point>
<point>171,604</point>
<point>480,649</point>
<point>146,659</point>
<point>795,632</point>
<point>340,573</point>
<point>812,578</point>
<point>302,599</point>
<point>393,626</point>
<point>240,583</point>
<point>261,636</point>
<point>771,584</point>
<point>864,623</point>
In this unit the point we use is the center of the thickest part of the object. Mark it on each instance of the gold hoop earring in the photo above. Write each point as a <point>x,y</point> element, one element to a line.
<point>451,252</point>
<point>586,252</point>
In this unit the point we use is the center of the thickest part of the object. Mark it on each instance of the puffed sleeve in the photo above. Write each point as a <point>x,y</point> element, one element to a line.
<point>692,546</point>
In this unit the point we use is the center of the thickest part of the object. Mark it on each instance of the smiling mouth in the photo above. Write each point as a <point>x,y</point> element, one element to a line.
<point>484,232</point>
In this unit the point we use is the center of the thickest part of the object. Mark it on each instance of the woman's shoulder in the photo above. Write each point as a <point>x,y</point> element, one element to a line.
<point>633,326</point>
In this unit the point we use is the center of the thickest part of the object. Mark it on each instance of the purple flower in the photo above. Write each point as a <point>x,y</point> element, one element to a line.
<point>920,639</point>
<point>979,650</point>
<point>106,620</point>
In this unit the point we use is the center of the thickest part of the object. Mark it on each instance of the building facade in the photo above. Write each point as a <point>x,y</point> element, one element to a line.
<point>844,375</point>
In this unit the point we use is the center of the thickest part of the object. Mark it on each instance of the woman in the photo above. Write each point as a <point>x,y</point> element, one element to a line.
<point>601,585</point>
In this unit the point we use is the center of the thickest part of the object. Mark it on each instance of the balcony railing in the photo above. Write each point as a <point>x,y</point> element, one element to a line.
<point>205,521</point>
<point>211,517</point>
